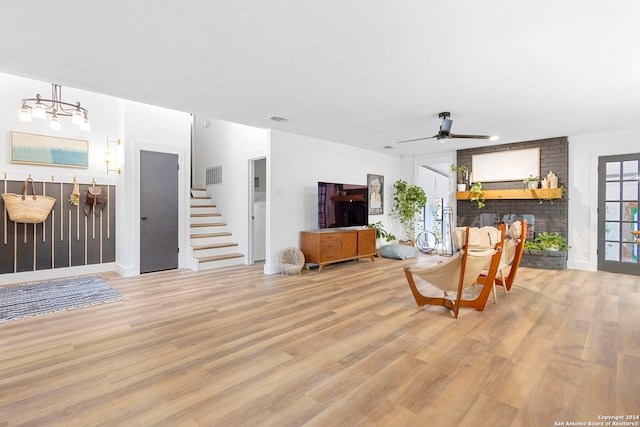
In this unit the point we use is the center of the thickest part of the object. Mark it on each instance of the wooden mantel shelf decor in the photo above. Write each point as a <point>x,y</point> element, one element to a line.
<point>540,193</point>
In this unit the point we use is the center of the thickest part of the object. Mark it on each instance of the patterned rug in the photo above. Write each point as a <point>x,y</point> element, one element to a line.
<point>36,299</point>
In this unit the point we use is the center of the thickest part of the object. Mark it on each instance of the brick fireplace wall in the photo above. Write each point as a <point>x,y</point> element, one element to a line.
<point>554,156</point>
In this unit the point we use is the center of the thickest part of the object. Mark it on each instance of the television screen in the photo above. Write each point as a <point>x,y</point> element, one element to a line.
<point>342,205</point>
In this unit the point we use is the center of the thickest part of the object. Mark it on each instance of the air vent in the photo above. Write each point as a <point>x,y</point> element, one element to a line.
<point>214,175</point>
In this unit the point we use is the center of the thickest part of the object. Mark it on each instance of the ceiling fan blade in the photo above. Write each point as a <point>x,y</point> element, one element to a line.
<point>417,139</point>
<point>471,136</point>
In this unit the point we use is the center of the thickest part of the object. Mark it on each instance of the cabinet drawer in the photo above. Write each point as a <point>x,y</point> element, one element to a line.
<point>330,256</point>
<point>330,244</point>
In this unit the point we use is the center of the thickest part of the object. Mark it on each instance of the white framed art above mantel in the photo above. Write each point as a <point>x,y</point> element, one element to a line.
<point>513,165</point>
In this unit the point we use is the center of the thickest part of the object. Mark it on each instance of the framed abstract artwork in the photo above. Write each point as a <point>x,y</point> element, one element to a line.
<point>49,150</point>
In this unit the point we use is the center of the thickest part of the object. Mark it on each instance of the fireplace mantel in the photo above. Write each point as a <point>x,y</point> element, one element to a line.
<point>540,193</point>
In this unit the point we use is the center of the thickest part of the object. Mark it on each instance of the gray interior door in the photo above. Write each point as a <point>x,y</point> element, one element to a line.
<point>618,195</point>
<point>158,211</point>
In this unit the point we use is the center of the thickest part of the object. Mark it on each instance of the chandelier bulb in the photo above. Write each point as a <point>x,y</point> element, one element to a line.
<point>38,111</point>
<point>24,114</point>
<point>85,125</point>
<point>55,122</point>
<point>77,117</point>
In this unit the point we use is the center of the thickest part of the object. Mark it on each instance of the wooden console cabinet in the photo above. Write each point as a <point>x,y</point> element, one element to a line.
<point>324,247</point>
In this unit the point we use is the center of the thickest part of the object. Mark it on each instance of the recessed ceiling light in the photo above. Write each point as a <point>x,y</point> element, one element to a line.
<point>277,119</point>
<point>389,147</point>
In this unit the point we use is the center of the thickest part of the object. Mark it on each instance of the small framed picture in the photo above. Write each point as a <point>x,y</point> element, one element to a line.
<point>375,184</point>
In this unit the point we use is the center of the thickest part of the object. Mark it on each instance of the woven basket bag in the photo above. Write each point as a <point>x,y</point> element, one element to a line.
<point>30,209</point>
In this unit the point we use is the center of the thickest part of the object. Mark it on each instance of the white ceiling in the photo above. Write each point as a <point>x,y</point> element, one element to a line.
<point>360,72</point>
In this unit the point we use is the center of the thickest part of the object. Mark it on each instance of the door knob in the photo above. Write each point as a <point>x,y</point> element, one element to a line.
<point>143,218</point>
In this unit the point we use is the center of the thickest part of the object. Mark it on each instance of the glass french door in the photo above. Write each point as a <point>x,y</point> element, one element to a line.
<point>618,195</point>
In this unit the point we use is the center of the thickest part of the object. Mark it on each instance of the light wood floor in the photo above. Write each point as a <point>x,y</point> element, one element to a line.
<point>345,347</point>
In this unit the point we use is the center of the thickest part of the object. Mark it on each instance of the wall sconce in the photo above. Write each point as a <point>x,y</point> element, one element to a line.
<point>110,154</point>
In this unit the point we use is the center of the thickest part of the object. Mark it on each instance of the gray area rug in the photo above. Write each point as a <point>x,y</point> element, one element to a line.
<point>35,299</point>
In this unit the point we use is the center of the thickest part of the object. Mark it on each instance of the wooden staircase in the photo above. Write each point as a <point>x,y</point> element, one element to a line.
<point>211,241</point>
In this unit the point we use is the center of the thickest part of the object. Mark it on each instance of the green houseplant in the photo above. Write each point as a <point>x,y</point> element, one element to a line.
<point>531,182</point>
<point>547,242</point>
<point>381,233</point>
<point>408,200</point>
<point>477,194</point>
<point>461,172</point>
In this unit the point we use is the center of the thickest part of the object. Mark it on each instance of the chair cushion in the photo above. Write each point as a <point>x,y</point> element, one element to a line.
<point>515,230</point>
<point>398,251</point>
<point>479,238</point>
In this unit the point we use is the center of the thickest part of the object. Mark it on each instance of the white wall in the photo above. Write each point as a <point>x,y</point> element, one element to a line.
<point>582,191</point>
<point>295,164</point>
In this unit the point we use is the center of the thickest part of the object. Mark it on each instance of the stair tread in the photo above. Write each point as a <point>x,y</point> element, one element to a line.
<point>204,215</point>
<point>203,206</point>
<point>199,236</point>
<point>214,246</point>
<point>198,189</point>
<point>219,257</point>
<point>200,197</point>
<point>209,224</point>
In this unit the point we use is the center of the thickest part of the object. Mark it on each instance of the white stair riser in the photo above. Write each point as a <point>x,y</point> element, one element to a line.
<point>210,229</point>
<point>204,211</point>
<point>221,263</point>
<point>201,253</point>
<point>209,240</point>
<point>201,202</point>
<point>206,220</point>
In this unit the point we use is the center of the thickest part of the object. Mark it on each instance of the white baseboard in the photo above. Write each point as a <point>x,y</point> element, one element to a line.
<point>57,273</point>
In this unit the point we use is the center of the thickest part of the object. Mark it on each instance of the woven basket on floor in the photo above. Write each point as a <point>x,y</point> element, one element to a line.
<point>30,209</point>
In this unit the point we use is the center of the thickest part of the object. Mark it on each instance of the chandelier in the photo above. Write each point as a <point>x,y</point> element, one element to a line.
<point>39,107</point>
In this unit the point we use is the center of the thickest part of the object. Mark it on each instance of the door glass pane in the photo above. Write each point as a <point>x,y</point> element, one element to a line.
<point>630,190</point>
<point>613,171</point>
<point>612,231</point>
<point>612,251</point>
<point>613,211</point>
<point>613,191</point>
<point>627,227</point>
<point>628,252</point>
<point>630,169</point>
<point>629,211</point>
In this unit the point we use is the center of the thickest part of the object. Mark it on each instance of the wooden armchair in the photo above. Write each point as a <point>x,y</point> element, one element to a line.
<point>480,248</point>
<point>510,259</point>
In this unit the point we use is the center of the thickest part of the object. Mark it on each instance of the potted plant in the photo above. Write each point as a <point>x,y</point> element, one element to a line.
<point>531,182</point>
<point>477,194</point>
<point>461,172</point>
<point>547,242</point>
<point>408,200</point>
<point>381,233</point>
<point>547,251</point>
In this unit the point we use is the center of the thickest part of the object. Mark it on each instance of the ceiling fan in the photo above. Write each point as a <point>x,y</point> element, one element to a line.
<point>445,135</point>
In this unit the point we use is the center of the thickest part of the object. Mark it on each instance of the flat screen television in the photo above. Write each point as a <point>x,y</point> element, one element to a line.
<point>342,205</point>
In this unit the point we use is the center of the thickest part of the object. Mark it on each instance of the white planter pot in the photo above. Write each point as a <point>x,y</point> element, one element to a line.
<point>462,187</point>
<point>533,185</point>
